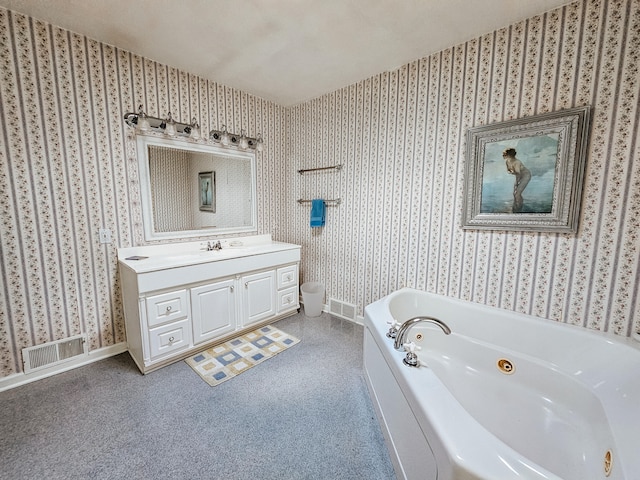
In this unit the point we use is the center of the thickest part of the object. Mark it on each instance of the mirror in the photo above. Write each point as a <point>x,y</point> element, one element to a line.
<point>192,189</point>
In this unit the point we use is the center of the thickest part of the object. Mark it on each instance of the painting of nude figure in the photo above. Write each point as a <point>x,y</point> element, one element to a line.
<point>527,173</point>
<point>519,175</point>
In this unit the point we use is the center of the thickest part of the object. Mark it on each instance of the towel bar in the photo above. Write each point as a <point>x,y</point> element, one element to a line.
<point>336,201</point>
<point>334,167</point>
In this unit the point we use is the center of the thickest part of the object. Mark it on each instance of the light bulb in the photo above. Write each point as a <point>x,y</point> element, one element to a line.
<point>244,143</point>
<point>143,121</point>
<point>195,129</point>
<point>170,128</point>
<point>224,138</point>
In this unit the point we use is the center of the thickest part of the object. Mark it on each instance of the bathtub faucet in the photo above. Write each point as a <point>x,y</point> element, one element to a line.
<point>400,339</point>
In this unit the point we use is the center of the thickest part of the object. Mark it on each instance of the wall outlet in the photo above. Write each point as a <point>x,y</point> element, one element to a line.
<point>105,235</point>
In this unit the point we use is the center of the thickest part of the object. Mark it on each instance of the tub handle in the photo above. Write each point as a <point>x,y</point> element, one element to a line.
<point>393,329</point>
<point>411,359</point>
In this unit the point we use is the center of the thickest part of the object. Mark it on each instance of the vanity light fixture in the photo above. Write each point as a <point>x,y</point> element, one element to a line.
<point>226,139</point>
<point>145,123</point>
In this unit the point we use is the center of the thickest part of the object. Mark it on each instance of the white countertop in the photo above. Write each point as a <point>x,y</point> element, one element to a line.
<point>173,255</point>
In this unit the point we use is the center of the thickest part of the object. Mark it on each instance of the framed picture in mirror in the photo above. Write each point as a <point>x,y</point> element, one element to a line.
<point>207,183</point>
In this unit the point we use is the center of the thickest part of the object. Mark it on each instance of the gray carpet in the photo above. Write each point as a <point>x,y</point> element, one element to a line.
<point>304,414</point>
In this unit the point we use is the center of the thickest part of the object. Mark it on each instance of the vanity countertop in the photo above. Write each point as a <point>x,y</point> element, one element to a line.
<point>167,256</point>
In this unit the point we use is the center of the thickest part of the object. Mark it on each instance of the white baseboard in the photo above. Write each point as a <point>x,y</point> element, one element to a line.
<point>18,379</point>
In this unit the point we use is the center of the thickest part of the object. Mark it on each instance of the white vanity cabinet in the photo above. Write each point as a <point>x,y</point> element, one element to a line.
<point>176,304</point>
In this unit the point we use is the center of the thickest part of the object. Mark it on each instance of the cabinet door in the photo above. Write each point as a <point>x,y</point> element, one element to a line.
<point>259,296</point>
<point>213,310</point>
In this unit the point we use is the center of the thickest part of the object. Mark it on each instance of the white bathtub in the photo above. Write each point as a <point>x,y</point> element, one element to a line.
<point>570,408</point>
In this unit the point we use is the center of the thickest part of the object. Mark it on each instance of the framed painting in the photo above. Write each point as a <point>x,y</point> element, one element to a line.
<point>527,174</point>
<point>207,183</point>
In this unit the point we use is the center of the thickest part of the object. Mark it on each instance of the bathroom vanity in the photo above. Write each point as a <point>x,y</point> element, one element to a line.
<point>181,298</point>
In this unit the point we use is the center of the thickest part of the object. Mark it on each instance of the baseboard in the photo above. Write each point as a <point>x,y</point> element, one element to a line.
<point>19,379</point>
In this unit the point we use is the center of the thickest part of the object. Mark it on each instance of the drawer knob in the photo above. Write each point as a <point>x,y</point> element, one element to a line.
<point>171,339</point>
<point>289,278</point>
<point>169,308</point>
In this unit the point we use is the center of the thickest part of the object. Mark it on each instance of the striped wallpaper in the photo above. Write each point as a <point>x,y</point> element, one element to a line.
<point>171,190</point>
<point>67,168</point>
<point>401,138</point>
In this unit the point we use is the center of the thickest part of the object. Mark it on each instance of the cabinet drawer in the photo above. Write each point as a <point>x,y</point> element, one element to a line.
<point>166,307</point>
<point>288,299</point>
<point>169,338</point>
<point>287,276</point>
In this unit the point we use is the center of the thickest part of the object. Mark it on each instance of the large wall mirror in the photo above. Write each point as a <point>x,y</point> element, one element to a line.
<point>191,189</point>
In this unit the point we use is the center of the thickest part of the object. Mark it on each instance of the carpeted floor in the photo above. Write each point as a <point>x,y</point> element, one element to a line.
<point>304,414</point>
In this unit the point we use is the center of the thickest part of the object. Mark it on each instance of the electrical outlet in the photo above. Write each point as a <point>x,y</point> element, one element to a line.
<point>105,235</point>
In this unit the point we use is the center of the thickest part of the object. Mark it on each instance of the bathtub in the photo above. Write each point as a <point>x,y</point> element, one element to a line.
<point>504,396</point>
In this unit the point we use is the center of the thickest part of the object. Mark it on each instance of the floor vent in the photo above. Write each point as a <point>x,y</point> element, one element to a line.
<point>53,353</point>
<point>342,309</point>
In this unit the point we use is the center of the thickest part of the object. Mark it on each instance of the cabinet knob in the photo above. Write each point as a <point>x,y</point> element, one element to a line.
<point>231,288</point>
<point>246,284</point>
<point>171,339</point>
<point>289,278</point>
<point>169,308</point>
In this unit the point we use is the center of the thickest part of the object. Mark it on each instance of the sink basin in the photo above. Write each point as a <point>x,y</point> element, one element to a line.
<point>181,256</point>
<point>198,256</point>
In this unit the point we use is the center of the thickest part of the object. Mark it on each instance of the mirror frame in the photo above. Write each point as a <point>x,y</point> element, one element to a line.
<point>144,141</point>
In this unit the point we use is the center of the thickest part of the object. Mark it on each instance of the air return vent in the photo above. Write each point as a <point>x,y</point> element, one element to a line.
<point>342,309</point>
<point>53,353</point>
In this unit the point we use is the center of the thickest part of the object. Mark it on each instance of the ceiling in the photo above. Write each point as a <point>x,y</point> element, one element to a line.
<point>285,51</point>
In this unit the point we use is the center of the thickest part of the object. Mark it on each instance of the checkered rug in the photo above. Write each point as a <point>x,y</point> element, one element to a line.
<point>222,362</point>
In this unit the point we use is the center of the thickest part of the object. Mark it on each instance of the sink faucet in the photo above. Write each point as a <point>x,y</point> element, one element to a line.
<point>404,328</point>
<point>214,246</point>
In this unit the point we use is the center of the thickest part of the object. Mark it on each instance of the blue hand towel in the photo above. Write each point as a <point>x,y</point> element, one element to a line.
<point>317,213</point>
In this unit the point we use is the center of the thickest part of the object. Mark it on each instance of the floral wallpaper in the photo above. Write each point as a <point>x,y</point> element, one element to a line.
<point>68,168</point>
<point>401,138</point>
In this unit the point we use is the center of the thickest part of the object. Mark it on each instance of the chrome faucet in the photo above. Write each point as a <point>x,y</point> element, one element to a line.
<point>400,339</point>
<point>214,246</point>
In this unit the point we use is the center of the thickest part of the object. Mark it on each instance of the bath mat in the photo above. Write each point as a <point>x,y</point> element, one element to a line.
<point>223,362</point>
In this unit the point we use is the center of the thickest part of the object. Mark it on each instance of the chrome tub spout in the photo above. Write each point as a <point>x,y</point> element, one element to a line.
<point>400,339</point>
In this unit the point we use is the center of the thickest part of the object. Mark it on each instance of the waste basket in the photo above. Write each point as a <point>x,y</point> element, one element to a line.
<point>312,297</point>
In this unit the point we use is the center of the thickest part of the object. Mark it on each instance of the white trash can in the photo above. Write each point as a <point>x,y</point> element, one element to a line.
<point>312,297</point>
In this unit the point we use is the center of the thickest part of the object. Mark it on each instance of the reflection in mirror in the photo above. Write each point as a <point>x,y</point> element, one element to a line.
<point>194,189</point>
